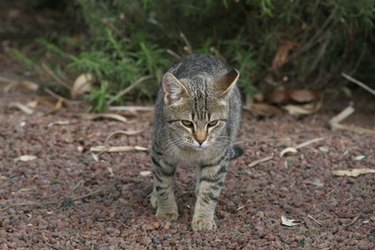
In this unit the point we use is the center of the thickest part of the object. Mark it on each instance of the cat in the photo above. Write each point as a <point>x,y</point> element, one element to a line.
<point>197,118</point>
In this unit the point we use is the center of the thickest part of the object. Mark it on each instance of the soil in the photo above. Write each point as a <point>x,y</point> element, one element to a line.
<point>68,197</point>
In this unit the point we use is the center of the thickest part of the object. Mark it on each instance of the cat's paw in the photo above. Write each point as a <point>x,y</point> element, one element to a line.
<point>167,215</point>
<point>200,224</point>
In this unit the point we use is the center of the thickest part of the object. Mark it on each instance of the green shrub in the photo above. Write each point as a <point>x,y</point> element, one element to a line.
<point>132,39</point>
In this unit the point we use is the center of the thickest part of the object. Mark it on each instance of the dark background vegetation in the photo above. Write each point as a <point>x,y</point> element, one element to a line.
<point>274,43</point>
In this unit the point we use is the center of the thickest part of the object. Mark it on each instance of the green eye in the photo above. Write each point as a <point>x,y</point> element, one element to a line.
<point>187,123</point>
<point>212,123</point>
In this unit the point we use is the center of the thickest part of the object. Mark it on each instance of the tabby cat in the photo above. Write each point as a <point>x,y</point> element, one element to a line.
<point>198,112</point>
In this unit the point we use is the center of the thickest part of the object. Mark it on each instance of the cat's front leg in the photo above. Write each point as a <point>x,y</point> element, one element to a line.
<point>210,181</point>
<point>162,196</point>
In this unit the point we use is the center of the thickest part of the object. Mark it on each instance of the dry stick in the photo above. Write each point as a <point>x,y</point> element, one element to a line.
<point>352,222</point>
<point>321,224</point>
<point>254,163</point>
<point>41,204</point>
<point>188,47</point>
<point>121,132</point>
<point>130,87</point>
<point>361,84</point>
<point>56,96</point>
<point>131,108</point>
<point>304,144</point>
<point>54,76</point>
<point>174,54</point>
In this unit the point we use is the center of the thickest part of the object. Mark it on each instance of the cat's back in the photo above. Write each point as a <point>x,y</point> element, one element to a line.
<point>198,64</point>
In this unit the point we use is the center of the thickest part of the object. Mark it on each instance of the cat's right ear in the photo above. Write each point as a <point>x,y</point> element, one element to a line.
<point>173,89</point>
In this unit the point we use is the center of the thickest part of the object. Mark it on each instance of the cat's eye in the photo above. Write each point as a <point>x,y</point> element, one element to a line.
<point>187,123</point>
<point>212,123</point>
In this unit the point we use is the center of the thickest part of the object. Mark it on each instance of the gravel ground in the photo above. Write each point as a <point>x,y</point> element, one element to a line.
<point>69,198</point>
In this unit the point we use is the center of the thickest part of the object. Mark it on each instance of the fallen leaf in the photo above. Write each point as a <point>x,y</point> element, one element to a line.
<point>95,157</point>
<point>145,173</point>
<point>25,158</point>
<point>359,157</point>
<point>104,115</point>
<point>303,95</point>
<point>353,172</point>
<point>289,222</point>
<point>282,53</point>
<point>265,109</point>
<point>167,225</point>
<point>58,105</point>
<point>21,107</point>
<point>83,84</point>
<point>29,85</point>
<point>110,170</point>
<point>324,149</point>
<point>303,109</point>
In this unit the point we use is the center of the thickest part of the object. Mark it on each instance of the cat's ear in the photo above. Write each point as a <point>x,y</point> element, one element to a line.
<point>173,89</point>
<point>226,83</point>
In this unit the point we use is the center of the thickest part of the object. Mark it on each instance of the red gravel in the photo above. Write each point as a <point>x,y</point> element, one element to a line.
<point>41,203</point>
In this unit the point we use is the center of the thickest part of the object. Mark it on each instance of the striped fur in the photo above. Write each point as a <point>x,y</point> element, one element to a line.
<point>198,112</point>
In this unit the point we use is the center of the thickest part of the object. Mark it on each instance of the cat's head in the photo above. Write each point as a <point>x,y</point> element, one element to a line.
<point>196,109</point>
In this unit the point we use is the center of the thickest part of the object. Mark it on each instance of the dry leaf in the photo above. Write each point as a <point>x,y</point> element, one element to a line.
<point>324,149</point>
<point>104,115</point>
<point>167,225</point>
<point>95,157</point>
<point>265,109</point>
<point>282,53</point>
<point>303,95</point>
<point>125,132</point>
<point>25,158</point>
<point>359,157</point>
<point>59,104</point>
<point>21,107</point>
<point>83,84</point>
<point>304,109</point>
<point>110,170</point>
<point>353,172</point>
<point>29,85</point>
<point>117,149</point>
<point>145,173</point>
<point>289,222</point>
<point>288,150</point>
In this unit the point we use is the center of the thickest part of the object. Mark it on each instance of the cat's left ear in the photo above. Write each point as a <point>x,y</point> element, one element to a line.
<point>226,83</point>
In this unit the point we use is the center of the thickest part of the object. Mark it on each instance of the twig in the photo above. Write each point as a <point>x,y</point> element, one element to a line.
<point>123,133</point>
<point>130,87</point>
<point>309,216</point>
<point>54,76</point>
<point>352,222</point>
<point>304,144</point>
<point>131,108</point>
<point>56,96</point>
<point>174,54</point>
<point>254,163</point>
<point>188,47</point>
<point>360,84</point>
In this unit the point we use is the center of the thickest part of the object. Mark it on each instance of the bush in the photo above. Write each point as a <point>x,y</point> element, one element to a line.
<point>294,43</point>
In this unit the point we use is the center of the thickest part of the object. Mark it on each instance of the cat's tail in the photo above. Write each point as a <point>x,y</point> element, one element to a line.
<point>236,152</point>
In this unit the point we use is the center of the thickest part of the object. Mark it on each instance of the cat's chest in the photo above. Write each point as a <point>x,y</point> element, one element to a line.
<point>193,157</point>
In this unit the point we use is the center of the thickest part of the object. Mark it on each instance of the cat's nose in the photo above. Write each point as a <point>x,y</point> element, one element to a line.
<point>200,137</point>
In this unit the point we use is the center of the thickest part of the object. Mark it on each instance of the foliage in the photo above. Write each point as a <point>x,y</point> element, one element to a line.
<point>291,42</point>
